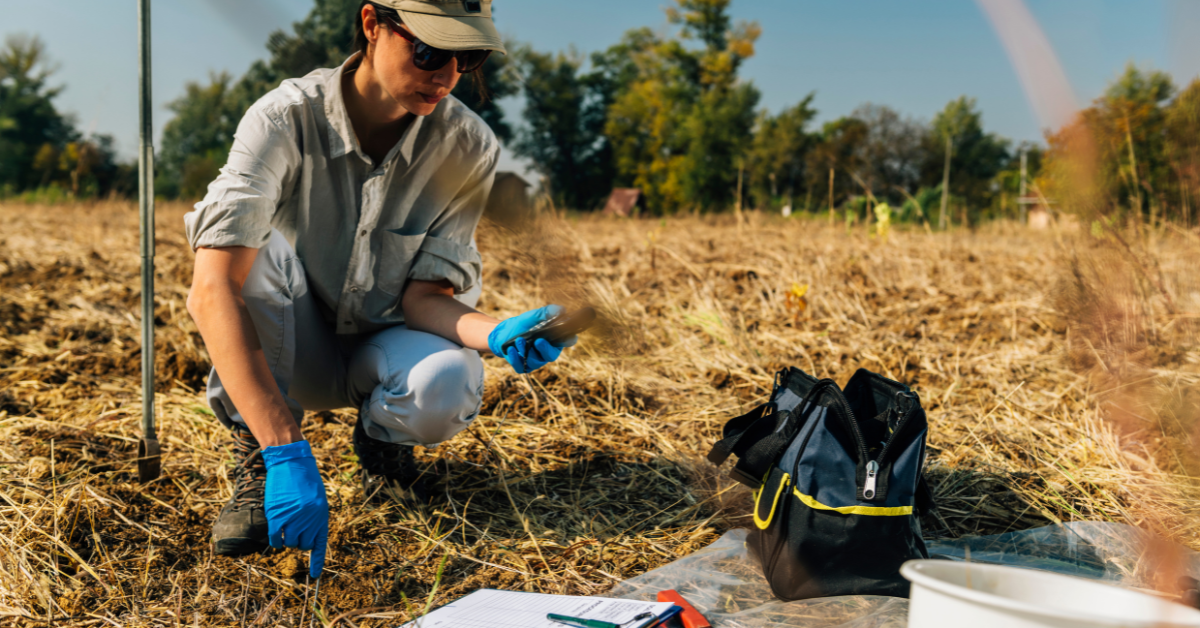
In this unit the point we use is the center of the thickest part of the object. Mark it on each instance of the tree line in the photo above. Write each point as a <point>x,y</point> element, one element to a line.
<point>1140,145</point>
<point>671,115</point>
<point>668,114</point>
<point>42,152</point>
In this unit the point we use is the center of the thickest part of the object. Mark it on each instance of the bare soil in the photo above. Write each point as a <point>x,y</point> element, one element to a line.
<point>1059,384</point>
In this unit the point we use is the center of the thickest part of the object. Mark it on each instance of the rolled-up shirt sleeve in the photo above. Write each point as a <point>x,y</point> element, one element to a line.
<point>240,203</point>
<point>447,252</point>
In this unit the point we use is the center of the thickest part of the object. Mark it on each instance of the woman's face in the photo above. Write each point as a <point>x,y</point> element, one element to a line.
<point>417,91</point>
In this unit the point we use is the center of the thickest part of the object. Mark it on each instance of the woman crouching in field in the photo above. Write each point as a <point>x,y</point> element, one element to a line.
<point>336,267</point>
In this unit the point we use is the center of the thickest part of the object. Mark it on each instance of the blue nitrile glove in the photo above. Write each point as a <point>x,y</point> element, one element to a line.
<point>297,511</point>
<point>523,357</point>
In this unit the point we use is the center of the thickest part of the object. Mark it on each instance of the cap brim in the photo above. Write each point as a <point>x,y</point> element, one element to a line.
<point>454,33</point>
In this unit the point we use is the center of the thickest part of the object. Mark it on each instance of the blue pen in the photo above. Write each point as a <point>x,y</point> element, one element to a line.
<point>592,623</point>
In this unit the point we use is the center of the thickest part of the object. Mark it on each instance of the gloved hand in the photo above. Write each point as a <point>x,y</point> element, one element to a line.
<point>297,511</point>
<point>523,356</point>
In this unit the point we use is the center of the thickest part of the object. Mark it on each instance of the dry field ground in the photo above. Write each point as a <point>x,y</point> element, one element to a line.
<point>1060,372</point>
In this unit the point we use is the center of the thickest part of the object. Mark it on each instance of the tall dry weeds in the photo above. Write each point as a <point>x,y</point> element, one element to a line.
<point>591,470</point>
<point>1133,329</point>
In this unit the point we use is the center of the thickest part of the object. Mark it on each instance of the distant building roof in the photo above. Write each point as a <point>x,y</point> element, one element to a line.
<point>509,201</point>
<point>504,175</point>
<point>622,201</point>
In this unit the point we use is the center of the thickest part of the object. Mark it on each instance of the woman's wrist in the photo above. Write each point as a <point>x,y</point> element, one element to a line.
<point>276,432</point>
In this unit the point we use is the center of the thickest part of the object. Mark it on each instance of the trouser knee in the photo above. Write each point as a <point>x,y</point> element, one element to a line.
<point>430,403</point>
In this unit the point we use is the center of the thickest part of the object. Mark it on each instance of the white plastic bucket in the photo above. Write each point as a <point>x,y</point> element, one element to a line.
<point>949,594</point>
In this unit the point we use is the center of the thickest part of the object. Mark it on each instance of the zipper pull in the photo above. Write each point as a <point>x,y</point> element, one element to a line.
<point>869,485</point>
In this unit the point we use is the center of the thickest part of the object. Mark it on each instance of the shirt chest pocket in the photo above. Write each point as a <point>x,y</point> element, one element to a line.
<point>396,255</point>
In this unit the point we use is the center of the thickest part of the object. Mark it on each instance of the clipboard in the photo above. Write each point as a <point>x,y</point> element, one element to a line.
<point>492,608</point>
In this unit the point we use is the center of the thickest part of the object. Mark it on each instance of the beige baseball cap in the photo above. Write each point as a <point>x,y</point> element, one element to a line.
<point>450,24</point>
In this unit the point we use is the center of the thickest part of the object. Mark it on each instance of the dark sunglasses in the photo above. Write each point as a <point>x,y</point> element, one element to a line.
<point>430,59</point>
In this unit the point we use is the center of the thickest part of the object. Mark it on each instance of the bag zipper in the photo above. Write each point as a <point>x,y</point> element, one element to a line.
<point>815,395</point>
<point>873,465</point>
<point>869,484</point>
<point>901,423</point>
<point>853,424</point>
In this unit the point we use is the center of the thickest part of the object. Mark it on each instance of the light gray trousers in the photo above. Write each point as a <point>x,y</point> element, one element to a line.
<point>411,387</point>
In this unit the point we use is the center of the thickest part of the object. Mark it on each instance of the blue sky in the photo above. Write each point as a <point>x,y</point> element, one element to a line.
<point>914,55</point>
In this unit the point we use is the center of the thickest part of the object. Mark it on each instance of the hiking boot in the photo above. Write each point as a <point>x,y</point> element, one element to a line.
<point>389,471</point>
<point>241,527</point>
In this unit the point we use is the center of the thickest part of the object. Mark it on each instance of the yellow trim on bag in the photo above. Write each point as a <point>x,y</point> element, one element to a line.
<point>870,511</point>
<point>762,525</point>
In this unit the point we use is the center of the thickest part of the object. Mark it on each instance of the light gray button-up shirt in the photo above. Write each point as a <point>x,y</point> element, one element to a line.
<point>362,230</point>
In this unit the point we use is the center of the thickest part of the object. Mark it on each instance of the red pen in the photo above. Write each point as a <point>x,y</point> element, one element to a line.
<point>690,617</point>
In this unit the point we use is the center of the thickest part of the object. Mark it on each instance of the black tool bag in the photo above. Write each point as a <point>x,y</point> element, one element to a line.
<point>837,478</point>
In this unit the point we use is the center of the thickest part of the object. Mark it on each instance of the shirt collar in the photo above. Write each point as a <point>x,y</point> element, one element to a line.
<point>342,140</point>
<point>341,133</point>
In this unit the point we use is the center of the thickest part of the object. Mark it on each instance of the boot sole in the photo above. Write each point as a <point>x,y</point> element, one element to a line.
<point>236,546</point>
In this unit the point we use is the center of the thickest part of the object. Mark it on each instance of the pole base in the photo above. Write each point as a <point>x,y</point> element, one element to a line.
<point>149,460</point>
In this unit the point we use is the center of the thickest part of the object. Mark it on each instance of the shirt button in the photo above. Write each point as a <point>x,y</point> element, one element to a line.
<point>362,233</point>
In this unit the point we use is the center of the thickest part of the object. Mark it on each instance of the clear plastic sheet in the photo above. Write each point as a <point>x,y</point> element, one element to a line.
<point>724,584</point>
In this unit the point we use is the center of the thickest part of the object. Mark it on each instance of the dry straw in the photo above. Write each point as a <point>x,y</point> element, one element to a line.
<point>591,470</point>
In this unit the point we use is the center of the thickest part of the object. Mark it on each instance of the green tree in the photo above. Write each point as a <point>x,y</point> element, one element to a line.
<point>1118,153</point>
<point>564,116</point>
<point>644,120</point>
<point>40,147</point>
<point>892,153</point>
<point>1134,116</point>
<point>28,119</point>
<point>775,162</point>
<point>963,149</point>
<point>1183,148</point>
<point>706,20</point>
<point>838,148</point>
<point>719,127</point>
<point>197,139</point>
<point>682,124</point>
<point>717,133</point>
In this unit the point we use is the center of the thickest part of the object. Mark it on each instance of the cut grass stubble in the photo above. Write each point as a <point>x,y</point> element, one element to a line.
<point>585,473</point>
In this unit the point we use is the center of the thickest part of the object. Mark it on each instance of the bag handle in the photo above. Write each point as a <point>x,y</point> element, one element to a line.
<point>736,429</point>
<point>757,455</point>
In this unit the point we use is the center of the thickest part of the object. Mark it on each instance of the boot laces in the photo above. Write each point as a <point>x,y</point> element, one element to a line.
<point>250,472</point>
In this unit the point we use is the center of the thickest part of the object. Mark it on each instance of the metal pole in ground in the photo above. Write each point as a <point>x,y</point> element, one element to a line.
<point>149,461</point>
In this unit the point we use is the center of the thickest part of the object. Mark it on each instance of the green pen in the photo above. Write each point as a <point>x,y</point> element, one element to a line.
<point>592,623</point>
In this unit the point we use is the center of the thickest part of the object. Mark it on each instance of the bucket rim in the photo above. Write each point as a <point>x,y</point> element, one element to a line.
<point>912,572</point>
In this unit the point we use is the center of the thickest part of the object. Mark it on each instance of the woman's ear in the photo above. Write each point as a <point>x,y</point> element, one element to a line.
<point>370,24</point>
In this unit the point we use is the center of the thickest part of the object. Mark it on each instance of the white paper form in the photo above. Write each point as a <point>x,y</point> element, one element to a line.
<point>489,608</point>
